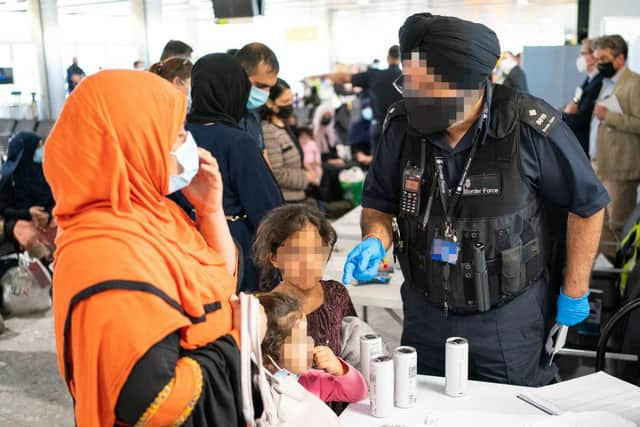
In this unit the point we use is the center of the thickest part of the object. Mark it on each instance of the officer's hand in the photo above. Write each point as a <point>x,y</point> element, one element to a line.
<point>572,311</point>
<point>363,261</point>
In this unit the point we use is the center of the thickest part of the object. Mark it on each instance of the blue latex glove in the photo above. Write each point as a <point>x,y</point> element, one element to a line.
<point>363,261</point>
<point>572,311</point>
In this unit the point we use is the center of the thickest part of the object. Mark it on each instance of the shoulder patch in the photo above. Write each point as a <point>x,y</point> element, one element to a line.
<point>536,113</point>
<point>395,110</point>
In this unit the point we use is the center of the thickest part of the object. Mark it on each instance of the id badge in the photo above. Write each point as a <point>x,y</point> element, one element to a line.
<point>445,251</point>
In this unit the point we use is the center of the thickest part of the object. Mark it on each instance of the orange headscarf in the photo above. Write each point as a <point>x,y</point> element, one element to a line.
<point>107,162</point>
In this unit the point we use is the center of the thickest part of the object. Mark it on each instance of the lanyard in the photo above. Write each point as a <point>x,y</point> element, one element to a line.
<point>449,206</point>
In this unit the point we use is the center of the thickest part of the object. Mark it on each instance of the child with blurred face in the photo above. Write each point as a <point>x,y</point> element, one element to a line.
<point>288,350</point>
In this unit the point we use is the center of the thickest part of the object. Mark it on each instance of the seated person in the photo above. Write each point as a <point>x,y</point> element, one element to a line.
<point>25,198</point>
<point>144,317</point>
<point>360,136</point>
<point>325,136</point>
<point>287,349</point>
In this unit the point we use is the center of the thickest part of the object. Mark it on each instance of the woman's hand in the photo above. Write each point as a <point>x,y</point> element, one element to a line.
<point>325,359</point>
<point>205,190</point>
<point>39,216</point>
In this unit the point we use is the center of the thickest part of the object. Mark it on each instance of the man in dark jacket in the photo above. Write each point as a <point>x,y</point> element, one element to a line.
<point>74,75</point>
<point>578,113</point>
<point>514,76</point>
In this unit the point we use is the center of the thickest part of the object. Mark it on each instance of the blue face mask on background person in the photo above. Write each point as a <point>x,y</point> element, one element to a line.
<point>189,160</point>
<point>257,98</point>
<point>367,114</point>
<point>38,154</point>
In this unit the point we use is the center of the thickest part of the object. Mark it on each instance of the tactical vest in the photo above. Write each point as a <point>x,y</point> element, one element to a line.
<point>497,208</point>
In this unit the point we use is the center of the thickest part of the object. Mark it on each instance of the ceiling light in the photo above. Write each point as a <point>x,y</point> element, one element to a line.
<point>362,2</point>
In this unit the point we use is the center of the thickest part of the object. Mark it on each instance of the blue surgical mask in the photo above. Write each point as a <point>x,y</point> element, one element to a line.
<point>189,160</point>
<point>283,373</point>
<point>38,154</point>
<point>257,98</point>
<point>367,114</point>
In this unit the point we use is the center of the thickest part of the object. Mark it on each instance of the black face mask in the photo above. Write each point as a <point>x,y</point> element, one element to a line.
<point>606,70</point>
<point>285,111</point>
<point>326,120</point>
<point>432,115</point>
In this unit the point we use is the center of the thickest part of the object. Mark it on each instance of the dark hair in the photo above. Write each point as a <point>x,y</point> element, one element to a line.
<point>614,42</point>
<point>172,68</point>
<point>176,48</point>
<point>139,61</point>
<point>251,55</point>
<point>283,311</point>
<point>232,51</point>
<point>276,227</point>
<point>274,93</point>
<point>303,130</point>
<point>394,51</point>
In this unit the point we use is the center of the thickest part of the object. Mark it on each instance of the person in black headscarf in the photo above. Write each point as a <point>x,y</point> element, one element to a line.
<point>469,169</point>
<point>219,92</point>
<point>25,198</point>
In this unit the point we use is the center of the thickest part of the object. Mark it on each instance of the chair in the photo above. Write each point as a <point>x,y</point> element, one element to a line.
<point>25,125</point>
<point>7,126</point>
<point>44,128</point>
<point>629,315</point>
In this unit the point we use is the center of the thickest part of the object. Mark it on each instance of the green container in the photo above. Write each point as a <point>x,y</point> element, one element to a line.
<point>352,191</point>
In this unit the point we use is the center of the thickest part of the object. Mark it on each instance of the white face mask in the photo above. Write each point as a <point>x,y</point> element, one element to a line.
<point>189,160</point>
<point>581,64</point>
<point>507,64</point>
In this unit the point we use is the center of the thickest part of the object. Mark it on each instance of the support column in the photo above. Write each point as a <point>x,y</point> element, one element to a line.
<point>138,22</point>
<point>48,41</point>
<point>155,36</point>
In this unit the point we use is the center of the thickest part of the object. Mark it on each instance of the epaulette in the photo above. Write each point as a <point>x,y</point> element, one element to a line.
<point>536,113</point>
<point>395,111</point>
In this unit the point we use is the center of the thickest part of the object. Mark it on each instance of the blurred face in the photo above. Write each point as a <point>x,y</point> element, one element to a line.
<point>263,77</point>
<point>174,166</point>
<point>285,99</point>
<point>302,257</point>
<point>76,78</point>
<point>304,139</point>
<point>297,350</point>
<point>183,85</point>
<point>420,81</point>
<point>588,56</point>
<point>602,56</point>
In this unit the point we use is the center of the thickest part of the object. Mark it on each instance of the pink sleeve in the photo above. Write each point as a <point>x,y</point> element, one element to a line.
<point>349,387</point>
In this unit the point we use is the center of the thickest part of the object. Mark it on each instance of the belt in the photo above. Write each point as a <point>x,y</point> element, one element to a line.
<point>234,218</point>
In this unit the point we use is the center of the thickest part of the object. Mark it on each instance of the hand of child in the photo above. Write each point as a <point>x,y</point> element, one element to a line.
<point>325,359</point>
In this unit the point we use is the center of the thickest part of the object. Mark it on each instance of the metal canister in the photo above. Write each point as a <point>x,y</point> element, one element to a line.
<point>456,366</point>
<point>381,379</point>
<point>405,367</point>
<point>370,345</point>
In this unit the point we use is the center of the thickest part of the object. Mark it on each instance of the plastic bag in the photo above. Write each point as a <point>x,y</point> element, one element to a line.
<point>26,287</point>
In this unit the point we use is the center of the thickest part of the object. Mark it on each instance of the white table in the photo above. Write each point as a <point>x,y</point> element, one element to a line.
<point>383,296</point>
<point>481,398</point>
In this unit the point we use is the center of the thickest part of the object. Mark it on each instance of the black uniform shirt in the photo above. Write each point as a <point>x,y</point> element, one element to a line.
<point>379,83</point>
<point>555,167</point>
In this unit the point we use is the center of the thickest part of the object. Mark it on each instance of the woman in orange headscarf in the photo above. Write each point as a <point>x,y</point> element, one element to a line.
<point>142,295</point>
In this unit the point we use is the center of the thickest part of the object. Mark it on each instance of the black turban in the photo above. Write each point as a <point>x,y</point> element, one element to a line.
<point>462,52</point>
